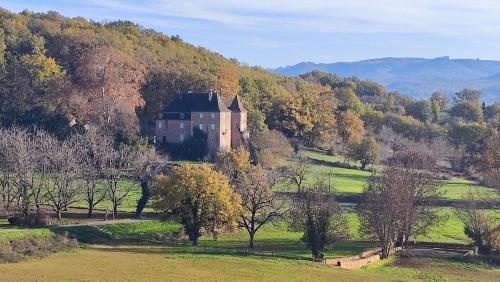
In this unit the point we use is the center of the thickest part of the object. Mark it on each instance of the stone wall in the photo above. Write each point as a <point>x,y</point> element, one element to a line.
<point>363,259</point>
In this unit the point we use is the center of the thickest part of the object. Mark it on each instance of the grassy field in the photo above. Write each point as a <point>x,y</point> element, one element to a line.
<point>143,251</point>
<point>351,181</point>
<point>11,233</point>
<point>157,263</point>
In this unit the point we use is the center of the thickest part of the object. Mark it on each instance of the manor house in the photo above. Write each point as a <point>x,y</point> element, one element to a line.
<point>225,127</point>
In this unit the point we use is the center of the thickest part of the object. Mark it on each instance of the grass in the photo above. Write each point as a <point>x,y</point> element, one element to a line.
<point>351,181</point>
<point>141,230</point>
<point>427,269</point>
<point>153,263</point>
<point>10,232</point>
<point>457,188</point>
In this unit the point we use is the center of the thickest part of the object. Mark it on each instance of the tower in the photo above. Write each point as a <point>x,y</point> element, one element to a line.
<point>239,130</point>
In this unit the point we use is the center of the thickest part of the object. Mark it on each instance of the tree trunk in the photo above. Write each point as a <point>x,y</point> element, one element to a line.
<point>115,210</point>
<point>251,244</point>
<point>89,213</point>
<point>59,215</point>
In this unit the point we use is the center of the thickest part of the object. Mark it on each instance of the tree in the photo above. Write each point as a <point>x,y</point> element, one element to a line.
<point>270,148</point>
<point>316,213</point>
<point>415,173</point>
<point>379,213</point>
<point>466,137</point>
<point>488,161</point>
<point>440,99</point>
<point>350,128</point>
<point>92,150</point>
<point>62,189</point>
<point>296,172</point>
<point>259,205</point>
<point>395,204</point>
<point>148,166</point>
<point>436,109</point>
<point>480,226</point>
<point>468,110</point>
<point>227,82</point>
<point>118,173</point>
<point>349,101</point>
<point>233,163</point>
<point>367,152</point>
<point>467,95</point>
<point>200,197</point>
<point>108,82</point>
<point>492,112</point>
<point>420,110</point>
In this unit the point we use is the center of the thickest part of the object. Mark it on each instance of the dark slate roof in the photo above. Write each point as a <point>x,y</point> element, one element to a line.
<point>196,102</point>
<point>237,105</point>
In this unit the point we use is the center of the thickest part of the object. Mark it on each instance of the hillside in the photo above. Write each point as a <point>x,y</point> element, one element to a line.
<point>416,77</point>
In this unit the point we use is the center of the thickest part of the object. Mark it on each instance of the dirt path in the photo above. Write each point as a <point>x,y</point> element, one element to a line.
<point>106,222</point>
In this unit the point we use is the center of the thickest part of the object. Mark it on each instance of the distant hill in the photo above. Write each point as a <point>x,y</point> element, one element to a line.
<point>416,77</point>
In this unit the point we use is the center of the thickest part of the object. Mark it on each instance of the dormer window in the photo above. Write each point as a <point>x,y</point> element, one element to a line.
<point>201,115</point>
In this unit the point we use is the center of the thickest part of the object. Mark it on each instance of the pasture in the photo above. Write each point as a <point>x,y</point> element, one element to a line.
<point>150,250</point>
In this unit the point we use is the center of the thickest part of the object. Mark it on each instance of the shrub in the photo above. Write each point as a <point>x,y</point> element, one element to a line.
<point>17,250</point>
<point>35,219</point>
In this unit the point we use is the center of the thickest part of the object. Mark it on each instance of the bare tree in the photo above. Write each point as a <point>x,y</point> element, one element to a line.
<point>296,173</point>
<point>481,227</point>
<point>396,204</point>
<point>414,171</point>
<point>62,187</point>
<point>23,168</point>
<point>316,213</point>
<point>92,149</point>
<point>259,205</point>
<point>9,192</point>
<point>379,212</point>
<point>43,146</point>
<point>118,174</point>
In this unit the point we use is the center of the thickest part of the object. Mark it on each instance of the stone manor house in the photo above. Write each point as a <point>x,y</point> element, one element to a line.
<point>225,127</point>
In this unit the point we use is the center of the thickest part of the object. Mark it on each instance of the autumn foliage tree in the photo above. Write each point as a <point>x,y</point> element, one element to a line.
<point>199,197</point>
<point>107,83</point>
<point>350,128</point>
<point>488,160</point>
<point>367,152</point>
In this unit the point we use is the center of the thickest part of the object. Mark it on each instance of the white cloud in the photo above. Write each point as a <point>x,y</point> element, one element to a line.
<point>448,17</point>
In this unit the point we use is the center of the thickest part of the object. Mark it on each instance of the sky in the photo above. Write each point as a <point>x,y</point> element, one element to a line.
<point>273,33</point>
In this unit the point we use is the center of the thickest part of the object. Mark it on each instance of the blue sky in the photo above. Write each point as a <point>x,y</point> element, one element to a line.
<point>273,33</point>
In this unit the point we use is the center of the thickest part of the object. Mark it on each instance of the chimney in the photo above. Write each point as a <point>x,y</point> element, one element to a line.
<point>210,96</point>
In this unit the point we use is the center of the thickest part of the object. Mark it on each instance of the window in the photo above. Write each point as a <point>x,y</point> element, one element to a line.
<point>181,137</point>
<point>164,139</point>
<point>160,124</point>
<point>212,126</point>
<point>201,126</point>
<point>213,115</point>
<point>201,115</point>
<point>181,125</point>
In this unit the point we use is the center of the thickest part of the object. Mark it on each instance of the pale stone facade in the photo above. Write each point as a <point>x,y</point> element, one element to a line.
<point>224,127</point>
